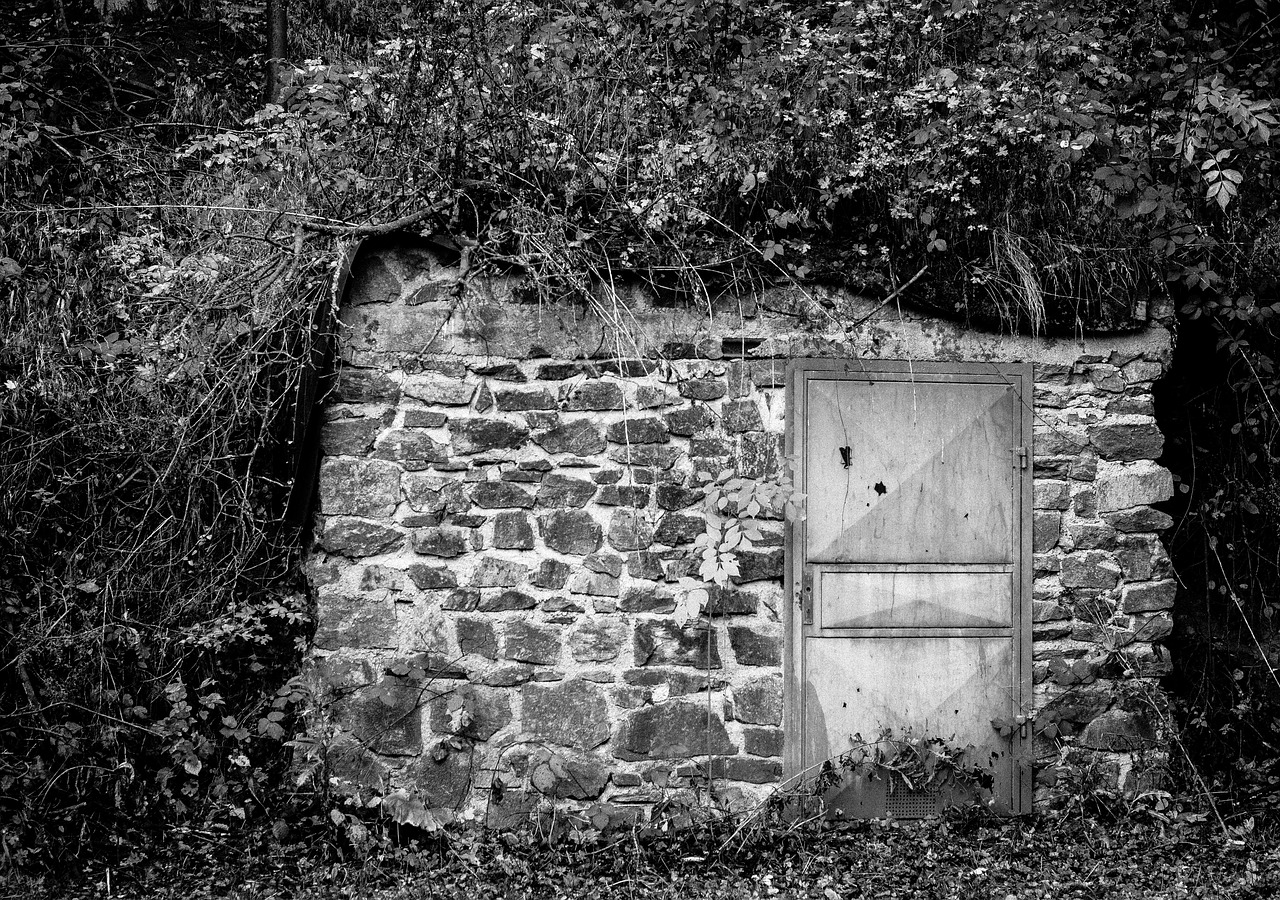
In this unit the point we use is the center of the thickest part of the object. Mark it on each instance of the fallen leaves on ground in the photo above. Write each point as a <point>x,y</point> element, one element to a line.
<point>961,856</point>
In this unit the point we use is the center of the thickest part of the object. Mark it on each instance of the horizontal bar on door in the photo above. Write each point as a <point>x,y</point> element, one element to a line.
<point>915,568</point>
<point>899,631</point>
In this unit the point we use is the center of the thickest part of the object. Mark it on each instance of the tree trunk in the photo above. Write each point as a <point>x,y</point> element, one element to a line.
<point>277,41</point>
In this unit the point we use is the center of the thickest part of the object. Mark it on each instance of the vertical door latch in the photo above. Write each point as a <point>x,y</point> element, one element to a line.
<point>806,597</point>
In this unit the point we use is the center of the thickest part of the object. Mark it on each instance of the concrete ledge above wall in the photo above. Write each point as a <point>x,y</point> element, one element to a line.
<point>404,304</point>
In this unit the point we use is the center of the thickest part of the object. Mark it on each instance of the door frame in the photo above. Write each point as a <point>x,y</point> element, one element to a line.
<point>799,372</point>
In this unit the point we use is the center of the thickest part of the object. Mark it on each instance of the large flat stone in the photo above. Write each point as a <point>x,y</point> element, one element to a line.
<point>664,643</point>
<point>477,637</point>
<point>676,528</point>
<point>512,531</point>
<point>1139,556</point>
<point>638,431</point>
<point>359,487</point>
<point>349,437</point>
<point>562,371</point>
<point>446,543</point>
<point>635,496</point>
<point>500,371</point>
<point>562,492</point>
<point>439,391</point>
<point>529,643</point>
<point>1125,485</point>
<point>581,438</point>
<point>690,421</point>
<point>412,448</point>
<point>759,454</point>
<point>552,575</point>
<point>676,497</point>
<point>759,701</point>
<point>708,388</point>
<point>432,493</point>
<point>1141,518</point>
<point>763,741</point>
<point>597,640</point>
<point>1051,494</point>
<point>364,386</point>
<point>756,646</point>
<point>358,537</point>
<point>629,530</point>
<point>523,401</point>
<point>758,565</point>
<point>573,713</point>
<point>495,572</point>
<point>445,781</point>
<point>387,717</point>
<point>471,436</point>
<point>648,456</point>
<point>1148,596</point>
<point>676,729</point>
<point>571,531</point>
<point>604,563</point>
<point>500,495</point>
<point>594,584</point>
<point>1090,569</point>
<point>741,415</point>
<point>648,599</point>
<point>645,565</point>
<point>362,622</point>
<point>568,774</point>
<point>431,578</point>
<point>504,601</point>
<point>1127,438</point>
<point>1046,529</point>
<point>678,681</point>
<point>470,711</point>
<point>593,395</point>
<point>724,601</point>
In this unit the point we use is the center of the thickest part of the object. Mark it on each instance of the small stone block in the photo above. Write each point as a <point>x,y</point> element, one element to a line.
<point>529,643</point>
<point>762,741</point>
<point>741,415</point>
<point>757,646</point>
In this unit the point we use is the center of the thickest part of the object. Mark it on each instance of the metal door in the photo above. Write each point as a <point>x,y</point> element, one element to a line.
<point>910,574</point>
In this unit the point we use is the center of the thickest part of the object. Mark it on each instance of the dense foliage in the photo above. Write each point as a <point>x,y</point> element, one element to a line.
<point>167,247</point>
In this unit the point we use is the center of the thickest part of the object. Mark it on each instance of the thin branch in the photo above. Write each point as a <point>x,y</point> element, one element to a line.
<point>897,292</point>
<point>383,228</point>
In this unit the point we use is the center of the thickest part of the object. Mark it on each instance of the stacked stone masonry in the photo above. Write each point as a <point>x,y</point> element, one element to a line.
<point>507,505</point>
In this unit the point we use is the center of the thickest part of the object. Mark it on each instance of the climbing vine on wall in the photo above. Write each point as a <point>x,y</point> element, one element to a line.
<point>733,506</point>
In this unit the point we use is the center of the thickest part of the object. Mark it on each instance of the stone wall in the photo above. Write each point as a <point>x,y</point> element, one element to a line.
<point>506,502</point>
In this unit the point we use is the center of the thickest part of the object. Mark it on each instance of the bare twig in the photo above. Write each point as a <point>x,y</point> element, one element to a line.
<point>897,292</point>
<point>384,228</point>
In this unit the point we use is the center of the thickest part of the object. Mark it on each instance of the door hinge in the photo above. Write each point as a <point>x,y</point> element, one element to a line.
<point>1022,457</point>
<point>806,597</point>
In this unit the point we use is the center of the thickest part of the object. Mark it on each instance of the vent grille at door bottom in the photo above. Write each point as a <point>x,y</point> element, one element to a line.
<point>909,803</point>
